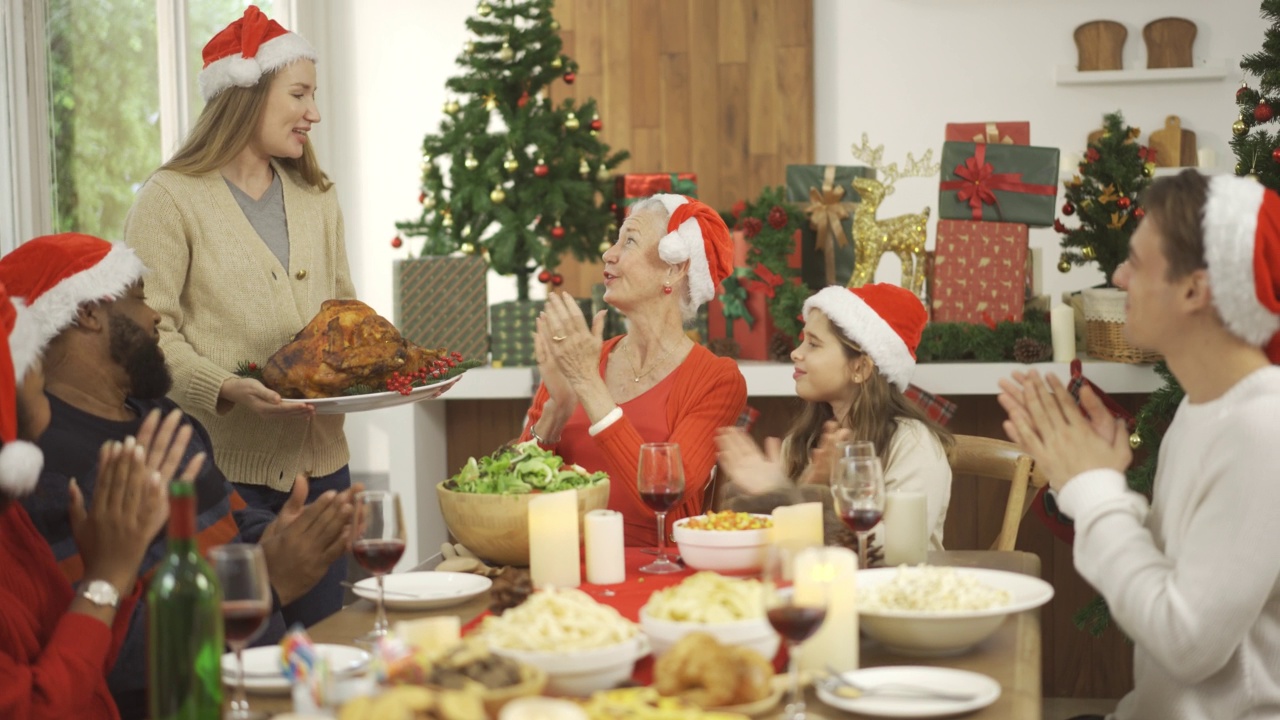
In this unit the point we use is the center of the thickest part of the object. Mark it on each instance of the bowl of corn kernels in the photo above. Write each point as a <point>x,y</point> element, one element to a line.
<point>726,542</point>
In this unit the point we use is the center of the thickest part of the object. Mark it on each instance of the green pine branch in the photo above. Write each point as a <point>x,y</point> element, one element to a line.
<point>1257,151</point>
<point>949,342</point>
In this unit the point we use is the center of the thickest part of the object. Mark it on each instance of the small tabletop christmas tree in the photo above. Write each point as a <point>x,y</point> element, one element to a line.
<point>521,181</point>
<point>1104,197</point>
<point>1258,151</point>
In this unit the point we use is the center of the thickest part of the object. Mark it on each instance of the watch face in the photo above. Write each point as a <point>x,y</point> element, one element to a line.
<point>101,592</point>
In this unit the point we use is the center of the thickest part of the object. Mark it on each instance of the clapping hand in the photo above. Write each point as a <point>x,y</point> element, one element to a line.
<point>823,457</point>
<point>306,539</point>
<point>574,348</point>
<point>747,466</point>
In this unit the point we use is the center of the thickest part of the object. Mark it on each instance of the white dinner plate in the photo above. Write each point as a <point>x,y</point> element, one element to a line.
<point>262,673</point>
<point>424,590</point>
<point>374,401</point>
<point>983,689</point>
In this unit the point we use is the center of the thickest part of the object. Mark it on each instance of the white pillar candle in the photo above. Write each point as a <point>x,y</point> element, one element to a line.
<point>1062,324</point>
<point>542,708</point>
<point>605,562</point>
<point>1205,158</point>
<point>906,528</point>
<point>835,645</point>
<point>797,525</point>
<point>1069,163</point>
<point>553,540</point>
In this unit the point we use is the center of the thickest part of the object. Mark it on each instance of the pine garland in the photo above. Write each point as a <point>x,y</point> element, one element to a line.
<point>993,342</point>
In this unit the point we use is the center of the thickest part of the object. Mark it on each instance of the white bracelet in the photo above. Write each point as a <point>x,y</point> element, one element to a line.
<point>610,418</point>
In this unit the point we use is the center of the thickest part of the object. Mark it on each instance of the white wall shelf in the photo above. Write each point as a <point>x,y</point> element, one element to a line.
<point>1068,75</point>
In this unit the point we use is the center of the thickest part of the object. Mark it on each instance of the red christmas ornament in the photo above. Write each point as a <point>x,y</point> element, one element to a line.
<point>777,217</point>
<point>597,125</point>
<point>524,99</point>
<point>1262,113</point>
<point>751,227</point>
<point>1068,209</point>
<point>1092,155</point>
<point>1275,155</point>
<point>1243,89</point>
<point>544,276</point>
<point>557,279</point>
<point>557,232</point>
<point>541,169</point>
<point>569,77</point>
<point>613,207</point>
<point>1058,226</point>
<point>422,197</point>
<point>396,242</point>
<point>1139,212</point>
<point>1123,203</point>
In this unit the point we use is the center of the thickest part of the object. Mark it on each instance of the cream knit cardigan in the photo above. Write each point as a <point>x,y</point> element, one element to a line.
<point>224,298</point>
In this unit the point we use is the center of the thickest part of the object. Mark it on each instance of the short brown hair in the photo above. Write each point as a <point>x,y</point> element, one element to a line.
<point>1176,205</point>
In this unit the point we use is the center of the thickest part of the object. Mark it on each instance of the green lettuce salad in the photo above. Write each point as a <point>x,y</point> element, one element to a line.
<point>519,469</point>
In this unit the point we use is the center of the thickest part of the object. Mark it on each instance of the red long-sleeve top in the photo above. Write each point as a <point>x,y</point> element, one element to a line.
<point>53,663</point>
<point>702,394</point>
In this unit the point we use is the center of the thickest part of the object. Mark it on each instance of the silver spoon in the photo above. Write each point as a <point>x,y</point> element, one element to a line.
<point>844,687</point>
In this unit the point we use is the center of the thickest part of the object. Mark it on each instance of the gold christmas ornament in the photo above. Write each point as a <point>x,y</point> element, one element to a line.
<point>571,122</point>
<point>447,221</point>
<point>510,164</point>
<point>1239,169</point>
<point>904,235</point>
<point>584,168</point>
<point>1148,169</point>
<point>491,102</point>
<point>466,231</point>
<point>467,248</point>
<point>604,246</point>
<point>469,48</point>
<point>506,54</point>
<point>483,10</point>
<point>1239,128</point>
<point>429,202</point>
<point>497,196</point>
<point>557,63</point>
<point>555,26</point>
<point>1088,252</point>
<point>470,162</point>
<point>603,174</point>
<point>1135,441</point>
<point>451,107</point>
<point>1064,265</point>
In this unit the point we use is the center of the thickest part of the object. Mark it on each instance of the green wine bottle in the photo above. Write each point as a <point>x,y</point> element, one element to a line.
<point>184,623</point>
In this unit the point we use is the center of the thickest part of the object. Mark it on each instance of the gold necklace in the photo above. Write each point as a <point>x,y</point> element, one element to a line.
<point>654,366</point>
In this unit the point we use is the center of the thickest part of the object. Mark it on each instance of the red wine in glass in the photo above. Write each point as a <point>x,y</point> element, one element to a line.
<point>242,620</point>
<point>796,623</point>
<point>378,556</point>
<point>660,501</point>
<point>861,520</point>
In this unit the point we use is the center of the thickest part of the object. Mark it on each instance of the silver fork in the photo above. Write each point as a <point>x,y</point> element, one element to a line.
<point>845,687</point>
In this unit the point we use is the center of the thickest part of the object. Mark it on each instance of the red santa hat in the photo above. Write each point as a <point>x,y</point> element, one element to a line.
<point>20,461</point>
<point>50,277</point>
<point>1242,250</point>
<point>696,233</point>
<point>884,320</point>
<point>246,50</point>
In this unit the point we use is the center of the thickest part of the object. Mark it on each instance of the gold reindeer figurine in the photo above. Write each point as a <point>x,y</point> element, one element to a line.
<point>903,235</point>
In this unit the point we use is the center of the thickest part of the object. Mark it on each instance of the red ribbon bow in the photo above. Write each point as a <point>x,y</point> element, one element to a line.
<point>980,181</point>
<point>768,281</point>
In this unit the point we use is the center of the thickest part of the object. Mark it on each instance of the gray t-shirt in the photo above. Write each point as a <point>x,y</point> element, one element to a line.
<point>266,215</point>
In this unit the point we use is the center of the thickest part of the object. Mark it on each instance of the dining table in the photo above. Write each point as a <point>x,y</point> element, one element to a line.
<point>1010,656</point>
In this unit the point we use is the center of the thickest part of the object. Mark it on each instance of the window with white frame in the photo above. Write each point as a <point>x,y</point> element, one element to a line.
<point>108,91</point>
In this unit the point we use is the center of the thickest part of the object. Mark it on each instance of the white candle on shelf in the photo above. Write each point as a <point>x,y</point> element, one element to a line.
<point>1062,324</point>
<point>906,528</point>
<point>553,540</point>
<point>1205,158</point>
<point>835,645</point>
<point>798,525</point>
<point>605,562</point>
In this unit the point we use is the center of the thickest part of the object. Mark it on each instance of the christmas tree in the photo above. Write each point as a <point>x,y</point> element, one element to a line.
<point>508,175</point>
<point>1258,151</point>
<point>1104,198</point>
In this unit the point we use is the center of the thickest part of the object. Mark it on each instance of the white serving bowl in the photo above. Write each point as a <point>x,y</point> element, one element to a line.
<point>582,672</point>
<point>756,633</point>
<point>730,552</point>
<point>938,634</point>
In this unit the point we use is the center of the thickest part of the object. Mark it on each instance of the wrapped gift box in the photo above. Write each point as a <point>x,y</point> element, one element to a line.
<point>443,302</point>
<point>753,341</point>
<point>996,133</point>
<point>998,183</point>
<point>814,187</point>
<point>514,323</point>
<point>632,187</point>
<point>979,273</point>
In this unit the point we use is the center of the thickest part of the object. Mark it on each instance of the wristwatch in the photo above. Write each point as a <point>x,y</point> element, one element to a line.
<point>101,593</point>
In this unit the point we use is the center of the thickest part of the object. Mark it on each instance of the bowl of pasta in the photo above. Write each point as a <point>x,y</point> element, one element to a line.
<point>726,542</point>
<point>583,646</point>
<point>928,611</point>
<point>731,610</point>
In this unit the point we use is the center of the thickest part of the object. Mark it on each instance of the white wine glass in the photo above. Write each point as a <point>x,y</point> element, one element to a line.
<point>241,570</point>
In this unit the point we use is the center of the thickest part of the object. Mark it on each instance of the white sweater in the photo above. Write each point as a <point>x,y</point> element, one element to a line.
<point>917,462</point>
<point>1195,579</point>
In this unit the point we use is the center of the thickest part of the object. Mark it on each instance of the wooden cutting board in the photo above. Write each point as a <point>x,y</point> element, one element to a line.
<point>1100,45</point>
<point>1169,41</point>
<point>1174,146</point>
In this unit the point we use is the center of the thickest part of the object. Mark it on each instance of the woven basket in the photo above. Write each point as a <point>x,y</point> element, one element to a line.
<point>1104,316</point>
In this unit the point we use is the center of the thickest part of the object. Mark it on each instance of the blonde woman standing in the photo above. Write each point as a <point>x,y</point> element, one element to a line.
<point>244,239</point>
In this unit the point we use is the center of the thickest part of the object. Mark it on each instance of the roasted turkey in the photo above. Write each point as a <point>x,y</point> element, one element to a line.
<point>345,345</point>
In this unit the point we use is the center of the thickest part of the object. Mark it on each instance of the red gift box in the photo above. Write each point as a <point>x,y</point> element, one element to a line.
<point>979,273</point>
<point>1008,133</point>
<point>753,341</point>
<point>632,187</point>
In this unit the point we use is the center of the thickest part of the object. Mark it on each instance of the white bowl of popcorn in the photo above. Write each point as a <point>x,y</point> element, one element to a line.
<point>729,609</point>
<point>726,542</point>
<point>927,611</point>
<point>583,646</point>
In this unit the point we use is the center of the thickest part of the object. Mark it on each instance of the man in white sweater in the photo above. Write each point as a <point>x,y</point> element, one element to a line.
<point>1194,579</point>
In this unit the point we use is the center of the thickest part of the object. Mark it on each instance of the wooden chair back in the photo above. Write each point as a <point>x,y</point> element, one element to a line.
<point>974,456</point>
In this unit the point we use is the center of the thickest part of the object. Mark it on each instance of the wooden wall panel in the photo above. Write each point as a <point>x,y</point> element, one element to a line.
<point>721,88</point>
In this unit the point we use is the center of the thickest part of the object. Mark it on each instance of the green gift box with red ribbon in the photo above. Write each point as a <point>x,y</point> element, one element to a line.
<point>633,187</point>
<point>999,183</point>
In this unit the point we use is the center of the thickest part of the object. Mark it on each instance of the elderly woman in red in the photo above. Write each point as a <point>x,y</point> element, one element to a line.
<point>57,642</point>
<point>599,401</point>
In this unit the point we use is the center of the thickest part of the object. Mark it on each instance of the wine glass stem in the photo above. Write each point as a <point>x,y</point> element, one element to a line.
<point>862,550</point>
<point>380,624</point>
<point>795,708</point>
<point>662,535</point>
<point>240,706</point>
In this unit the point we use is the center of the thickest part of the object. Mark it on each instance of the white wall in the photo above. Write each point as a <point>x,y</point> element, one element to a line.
<point>896,69</point>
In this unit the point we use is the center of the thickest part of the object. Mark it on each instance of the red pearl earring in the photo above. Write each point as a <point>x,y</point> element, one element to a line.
<point>666,289</point>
